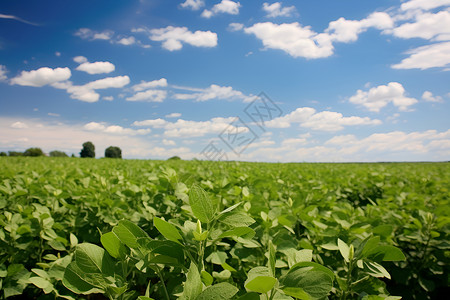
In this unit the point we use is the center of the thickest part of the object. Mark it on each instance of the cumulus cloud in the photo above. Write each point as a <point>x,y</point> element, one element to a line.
<point>127,41</point>
<point>144,85</point>
<point>3,72</point>
<point>428,96</point>
<point>114,129</point>
<point>88,34</point>
<point>426,26</point>
<point>98,67</point>
<point>188,129</point>
<point>276,10</point>
<point>425,57</point>
<point>149,96</point>
<point>307,117</point>
<point>225,6</point>
<point>235,26</point>
<point>193,4</point>
<point>378,97</point>
<point>172,38</point>
<point>87,92</point>
<point>173,115</point>
<point>215,92</point>
<point>41,77</point>
<point>80,59</point>
<point>302,41</point>
<point>424,4</point>
<point>168,142</point>
<point>19,125</point>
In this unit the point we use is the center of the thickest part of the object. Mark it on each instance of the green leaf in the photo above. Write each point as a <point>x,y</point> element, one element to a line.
<point>344,249</point>
<point>202,206</point>
<point>42,283</point>
<point>207,279</point>
<point>376,270</point>
<point>386,253</point>
<point>193,284</point>
<point>250,296</point>
<point>259,280</point>
<point>128,233</point>
<point>74,281</point>
<point>166,248</point>
<point>237,219</point>
<point>93,259</point>
<point>220,291</point>
<point>244,232</point>
<point>272,260</point>
<point>312,266</point>
<point>301,281</point>
<point>113,245</point>
<point>73,240</point>
<point>168,230</point>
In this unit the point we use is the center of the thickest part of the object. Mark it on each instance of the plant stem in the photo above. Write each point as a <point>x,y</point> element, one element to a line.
<point>162,281</point>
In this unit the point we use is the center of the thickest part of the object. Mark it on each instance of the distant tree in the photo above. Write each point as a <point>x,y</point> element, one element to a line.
<point>88,150</point>
<point>56,153</point>
<point>33,152</point>
<point>174,158</point>
<point>15,153</point>
<point>73,155</point>
<point>3,154</point>
<point>113,152</point>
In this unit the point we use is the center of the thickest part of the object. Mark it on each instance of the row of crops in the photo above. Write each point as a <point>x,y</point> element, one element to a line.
<point>122,229</point>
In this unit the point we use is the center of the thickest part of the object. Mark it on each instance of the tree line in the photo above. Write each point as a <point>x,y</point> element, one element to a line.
<point>87,151</point>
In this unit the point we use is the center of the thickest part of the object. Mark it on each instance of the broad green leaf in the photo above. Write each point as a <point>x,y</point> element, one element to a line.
<point>367,245</point>
<point>113,245</point>
<point>250,296</point>
<point>42,283</point>
<point>237,219</point>
<point>74,281</point>
<point>168,230</point>
<point>217,257</point>
<point>301,281</point>
<point>244,232</point>
<point>93,259</point>
<point>344,249</point>
<point>207,279</point>
<point>202,206</point>
<point>376,270</point>
<point>167,248</point>
<point>128,233</point>
<point>386,253</point>
<point>220,291</point>
<point>259,280</point>
<point>73,240</point>
<point>193,284</point>
<point>312,266</point>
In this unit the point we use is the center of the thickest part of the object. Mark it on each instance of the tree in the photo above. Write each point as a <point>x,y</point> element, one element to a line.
<point>3,154</point>
<point>174,158</point>
<point>56,153</point>
<point>33,152</point>
<point>113,152</point>
<point>15,153</point>
<point>88,150</point>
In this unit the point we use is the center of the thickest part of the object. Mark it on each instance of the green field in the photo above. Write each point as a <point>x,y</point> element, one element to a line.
<point>266,230</point>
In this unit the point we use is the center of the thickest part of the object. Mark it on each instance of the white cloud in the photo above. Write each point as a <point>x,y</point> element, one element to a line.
<point>301,41</point>
<point>42,76</point>
<point>168,142</point>
<point>378,97</point>
<point>193,4</point>
<point>225,6</point>
<point>3,16</point>
<point>86,33</point>
<point>307,117</point>
<point>114,129</point>
<point>53,114</point>
<point>425,57</point>
<point>173,37</point>
<point>428,96</point>
<point>426,26</point>
<point>173,115</point>
<point>57,53</point>
<point>98,67</point>
<point>80,59</point>
<point>127,41</point>
<point>156,123</point>
<point>424,4</point>
<point>87,92</point>
<point>108,98</point>
<point>19,125</point>
<point>3,72</point>
<point>215,92</point>
<point>276,10</point>
<point>149,96</point>
<point>144,85</point>
<point>235,26</point>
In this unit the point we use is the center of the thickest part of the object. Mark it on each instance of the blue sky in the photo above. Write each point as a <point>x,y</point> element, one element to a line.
<point>354,81</point>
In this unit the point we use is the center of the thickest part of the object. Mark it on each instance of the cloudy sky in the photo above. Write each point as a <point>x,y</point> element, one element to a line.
<point>324,80</point>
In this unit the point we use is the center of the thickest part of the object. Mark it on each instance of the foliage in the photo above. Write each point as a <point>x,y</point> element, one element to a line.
<point>33,152</point>
<point>113,152</point>
<point>3,154</point>
<point>15,153</point>
<point>88,150</point>
<point>174,158</point>
<point>56,153</point>
<point>223,230</point>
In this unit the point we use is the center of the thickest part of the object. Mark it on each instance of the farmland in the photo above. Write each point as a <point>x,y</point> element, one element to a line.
<point>72,227</point>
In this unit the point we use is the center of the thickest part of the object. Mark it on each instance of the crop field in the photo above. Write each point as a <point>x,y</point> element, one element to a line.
<point>75,228</point>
